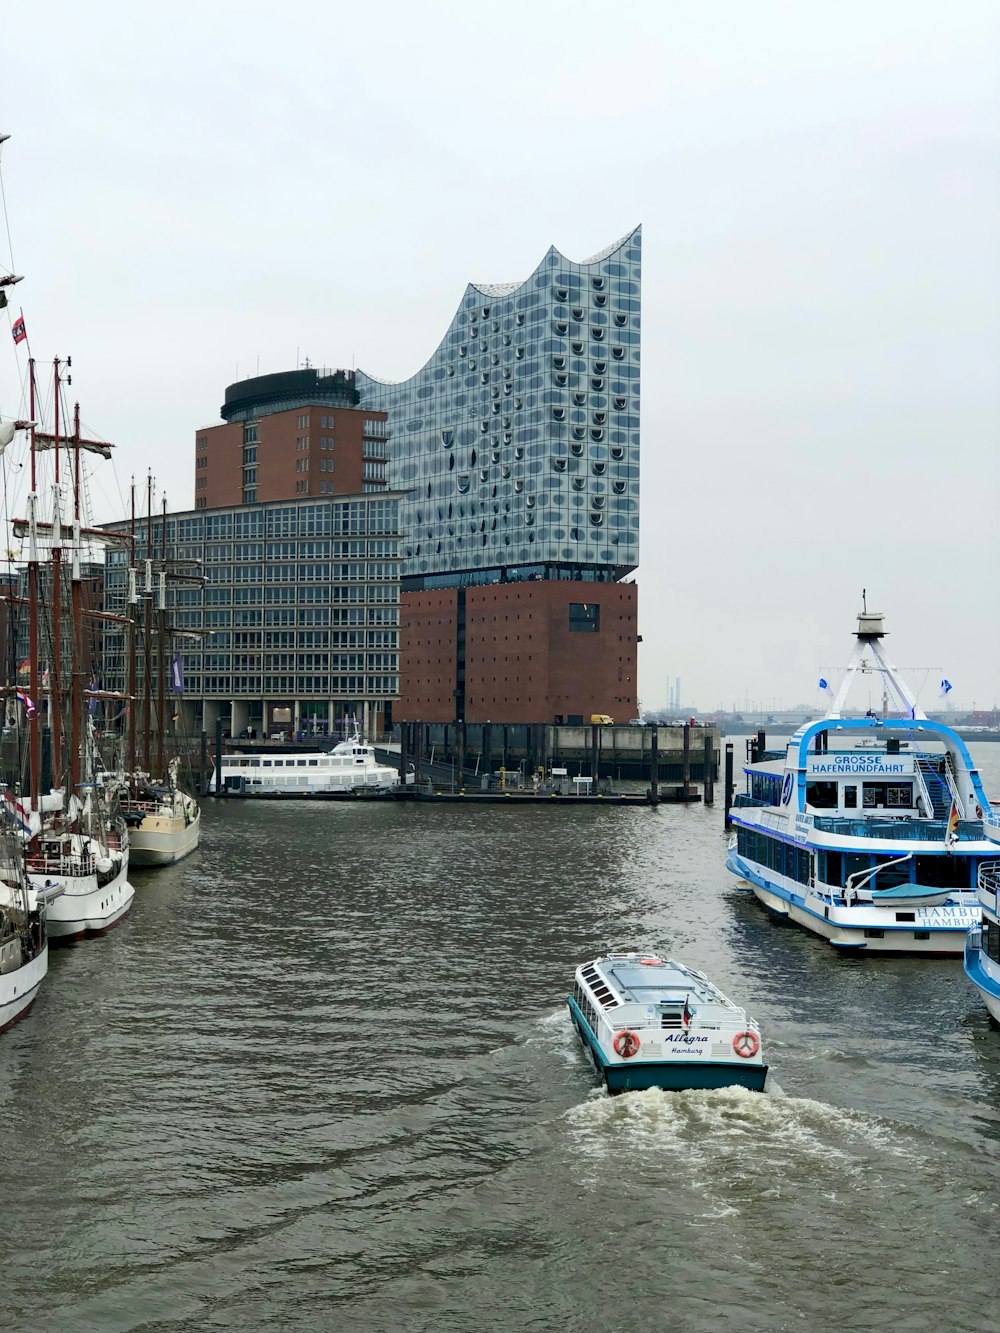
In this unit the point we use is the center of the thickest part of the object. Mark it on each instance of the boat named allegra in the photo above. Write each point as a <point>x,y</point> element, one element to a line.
<point>351,765</point>
<point>982,947</point>
<point>649,1022</point>
<point>867,830</point>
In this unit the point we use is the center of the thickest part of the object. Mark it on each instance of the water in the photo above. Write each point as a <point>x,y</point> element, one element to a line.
<point>324,1073</point>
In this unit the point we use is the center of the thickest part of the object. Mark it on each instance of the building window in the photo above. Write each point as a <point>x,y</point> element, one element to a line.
<point>250,433</point>
<point>584,617</point>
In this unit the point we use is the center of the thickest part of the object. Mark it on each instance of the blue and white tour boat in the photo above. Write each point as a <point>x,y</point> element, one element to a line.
<point>982,947</point>
<point>867,830</point>
<point>653,1023</point>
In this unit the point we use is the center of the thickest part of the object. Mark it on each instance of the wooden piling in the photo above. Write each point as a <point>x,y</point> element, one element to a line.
<point>686,764</point>
<point>654,766</point>
<point>709,776</point>
<point>729,784</point>
<point>203,766</point>
<point>219,789</point>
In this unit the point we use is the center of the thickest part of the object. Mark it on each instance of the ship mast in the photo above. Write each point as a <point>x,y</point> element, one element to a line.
<point>147,693</point>
<point>55,665</point>
<point>76,692</point>
<point>132,612</point>
<point>34,739</point>
<point>161,649</point>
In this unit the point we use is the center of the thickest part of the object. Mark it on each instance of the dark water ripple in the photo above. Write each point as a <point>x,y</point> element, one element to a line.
<point>324,1074</point>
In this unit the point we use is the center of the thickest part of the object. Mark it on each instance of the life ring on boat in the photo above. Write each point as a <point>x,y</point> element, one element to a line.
<point>746,1044</point>
<point>651,962</point>
<point>626,1044</point>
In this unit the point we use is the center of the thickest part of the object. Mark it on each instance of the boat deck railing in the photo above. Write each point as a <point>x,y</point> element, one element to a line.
<point>973,944</point>
<point>73,866</point>
<point>903,829</point>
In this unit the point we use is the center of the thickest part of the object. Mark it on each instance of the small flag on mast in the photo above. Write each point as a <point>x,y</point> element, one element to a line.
<point>946,688</point>
<point>686,1012</point>
<point>824,685</point>
<point>29,704</point>
<point>18,330</point>
<point>177,674</point>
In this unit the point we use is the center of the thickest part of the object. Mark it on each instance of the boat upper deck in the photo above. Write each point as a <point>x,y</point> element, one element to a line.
<point>627,983</point>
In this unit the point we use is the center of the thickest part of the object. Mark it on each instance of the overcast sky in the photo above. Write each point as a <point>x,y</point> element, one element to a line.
<point>198,190</point>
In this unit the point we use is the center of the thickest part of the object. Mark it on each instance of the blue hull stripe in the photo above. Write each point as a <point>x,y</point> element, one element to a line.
<point>739,867</point>
<point>979,977</point>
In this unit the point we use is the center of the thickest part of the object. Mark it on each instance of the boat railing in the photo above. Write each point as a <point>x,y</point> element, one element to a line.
<point>62,865</point>
<point>903,829</point>
<point>973,943</point>
<point>742,800</point>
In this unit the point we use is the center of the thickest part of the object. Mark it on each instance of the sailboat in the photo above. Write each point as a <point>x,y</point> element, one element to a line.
<point>76,842</point>
<point>164,820</point>
<point>24,945</point>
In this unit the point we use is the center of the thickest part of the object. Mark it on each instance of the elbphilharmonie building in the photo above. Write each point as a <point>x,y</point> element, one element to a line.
<point>518,442</point>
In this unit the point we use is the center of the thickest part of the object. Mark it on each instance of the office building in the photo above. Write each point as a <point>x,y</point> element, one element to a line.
<point>297,625</point>
<point>295,433</point>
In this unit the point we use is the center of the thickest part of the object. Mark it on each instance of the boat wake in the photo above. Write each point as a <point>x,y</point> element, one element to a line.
<point>729,1143</point>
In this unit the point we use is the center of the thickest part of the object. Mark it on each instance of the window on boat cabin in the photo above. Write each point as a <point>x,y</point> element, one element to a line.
<point>850,798</point>
<point>991,939</point>
<point>821,795</point>
<point>946,872</point>
<point>313,763</point>
<point>883,795</point>
<point>829,868</point>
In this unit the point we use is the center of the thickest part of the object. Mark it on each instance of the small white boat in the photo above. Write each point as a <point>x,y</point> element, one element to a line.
<point>649,1022</point>
<point>349,766</point>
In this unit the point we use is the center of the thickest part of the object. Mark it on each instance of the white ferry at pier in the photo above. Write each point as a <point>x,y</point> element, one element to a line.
<point>982,947</point>
<point>350,766</point>
<point>649,1022</point>
<point>868,831</point>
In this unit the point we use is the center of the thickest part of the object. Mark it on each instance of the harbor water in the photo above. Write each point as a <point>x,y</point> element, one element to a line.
<point>324,1076</point>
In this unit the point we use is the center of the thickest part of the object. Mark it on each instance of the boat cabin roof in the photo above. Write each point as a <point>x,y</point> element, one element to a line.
<point>646,979</point>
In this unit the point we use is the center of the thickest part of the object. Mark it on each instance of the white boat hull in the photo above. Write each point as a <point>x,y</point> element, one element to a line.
<point>160,840</point>
<point>865,927</point>
<point>19,988</point>
<point>85,907</point>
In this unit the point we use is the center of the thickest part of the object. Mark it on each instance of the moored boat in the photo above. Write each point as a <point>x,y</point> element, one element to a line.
<point>164,822</point>
<point>649,1022</point>
<point>982,946</point>
<point>867,830</point>
<point>350,766</point>
<point>24,949</point>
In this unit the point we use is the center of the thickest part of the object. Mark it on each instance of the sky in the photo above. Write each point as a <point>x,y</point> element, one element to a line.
<point>198,192</point>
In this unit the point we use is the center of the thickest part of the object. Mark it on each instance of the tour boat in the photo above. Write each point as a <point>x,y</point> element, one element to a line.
<point>654,1023</point>
<point>982,947</point>
<point>350,765</point>
<point>867,830</point>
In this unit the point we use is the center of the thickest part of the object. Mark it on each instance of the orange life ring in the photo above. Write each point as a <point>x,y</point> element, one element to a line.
<point>626,1044</point>
<point>746,1044</point>
<point>651,962</point>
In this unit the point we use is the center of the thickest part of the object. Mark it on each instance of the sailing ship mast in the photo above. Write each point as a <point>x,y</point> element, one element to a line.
<point>34,738</point>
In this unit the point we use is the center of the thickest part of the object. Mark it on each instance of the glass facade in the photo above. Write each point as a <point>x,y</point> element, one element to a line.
<point>300,601</point>
<point>518,441</point>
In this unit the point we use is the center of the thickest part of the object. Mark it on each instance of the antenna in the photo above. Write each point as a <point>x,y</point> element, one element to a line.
<point>864,602</point>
